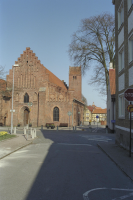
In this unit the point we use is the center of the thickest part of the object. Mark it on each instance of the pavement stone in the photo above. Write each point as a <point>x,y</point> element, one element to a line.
<point>120,157</point>
<point>11,145</point>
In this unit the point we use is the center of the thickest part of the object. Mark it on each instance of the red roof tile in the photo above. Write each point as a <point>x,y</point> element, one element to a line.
<point>99,111</point>
<point>55,80</point>
<point>90,108</point>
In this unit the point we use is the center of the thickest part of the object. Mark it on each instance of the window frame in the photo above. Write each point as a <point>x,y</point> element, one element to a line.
<point>121,112</point>
<point>121,14</point>
<point>26,98</point>
<point>121,60</point>
<point>56,114</point>
<point>130,48</point>
<point>130,3</point>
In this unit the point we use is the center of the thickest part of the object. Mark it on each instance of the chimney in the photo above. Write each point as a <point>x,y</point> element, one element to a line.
<point>110,65</point>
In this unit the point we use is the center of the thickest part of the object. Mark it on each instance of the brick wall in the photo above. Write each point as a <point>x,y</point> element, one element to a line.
<point>45,92</point>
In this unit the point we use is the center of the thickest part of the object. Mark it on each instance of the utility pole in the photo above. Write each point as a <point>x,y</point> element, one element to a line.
<point>12,102</point>
<point>16,65</point>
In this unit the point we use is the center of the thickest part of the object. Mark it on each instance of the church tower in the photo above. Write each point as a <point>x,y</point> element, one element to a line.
<point>75,82</point>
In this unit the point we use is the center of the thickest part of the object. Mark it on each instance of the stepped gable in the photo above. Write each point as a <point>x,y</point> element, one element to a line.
<point>55,80</point>
<point>29,56</point>
<point>75,70</point>
<point>112,81</point>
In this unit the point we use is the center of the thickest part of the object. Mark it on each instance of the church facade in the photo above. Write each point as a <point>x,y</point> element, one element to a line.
<point>39,96</point>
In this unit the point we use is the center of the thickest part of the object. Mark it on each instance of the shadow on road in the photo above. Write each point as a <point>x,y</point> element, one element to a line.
<point>59,176</point>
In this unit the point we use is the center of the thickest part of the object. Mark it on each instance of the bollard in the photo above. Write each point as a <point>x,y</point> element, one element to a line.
<point>41,127</point>
<point>15,130</point>
<point>57,128</point>
<point>34,132</point>
<point>73,128</point>
<point>25,130</point>
<point>27,133</point>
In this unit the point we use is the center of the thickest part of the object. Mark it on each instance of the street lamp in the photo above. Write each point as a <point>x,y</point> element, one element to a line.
<point>78,118</point>
<point>16,65</point>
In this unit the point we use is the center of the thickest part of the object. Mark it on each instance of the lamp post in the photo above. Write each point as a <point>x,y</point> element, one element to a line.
<point>78,118</point>
<point>16,65</point>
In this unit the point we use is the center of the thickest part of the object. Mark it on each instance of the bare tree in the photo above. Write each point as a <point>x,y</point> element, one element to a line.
<point>92,47</point>
<point>2,72</point>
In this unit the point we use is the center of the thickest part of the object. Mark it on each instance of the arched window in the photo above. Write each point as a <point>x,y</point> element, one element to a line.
<point>56,114</point>
<point>26,98</point>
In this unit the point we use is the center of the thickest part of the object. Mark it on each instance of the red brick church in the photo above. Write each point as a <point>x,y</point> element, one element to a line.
<point>39,96</point>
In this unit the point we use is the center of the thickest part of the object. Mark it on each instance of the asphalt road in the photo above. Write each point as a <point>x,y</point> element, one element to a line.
<point>64,165</point>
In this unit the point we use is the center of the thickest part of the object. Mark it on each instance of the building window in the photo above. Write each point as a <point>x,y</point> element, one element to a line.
<point>121,59</point>
<point>120,15</point>
<point>56,114</point>
<point>26,98</point>
<point>130,49</point>
<point>130,2</point>
<point>121,102</point>
<point>74,77</point>
<point>87,114</point>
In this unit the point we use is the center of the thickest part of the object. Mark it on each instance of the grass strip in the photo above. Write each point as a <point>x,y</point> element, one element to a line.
<point>7,136</point>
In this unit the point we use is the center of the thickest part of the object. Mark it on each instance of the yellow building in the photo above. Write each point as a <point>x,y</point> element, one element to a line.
<point>101,113</point>
<point>88,114</point>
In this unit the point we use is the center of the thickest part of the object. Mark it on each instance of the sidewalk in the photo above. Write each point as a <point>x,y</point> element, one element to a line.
<point>21,129</point>
<point>9,146</point>
<point>120,157</point>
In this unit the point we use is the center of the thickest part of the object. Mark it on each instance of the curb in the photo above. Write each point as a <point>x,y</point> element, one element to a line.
<point>114,162</point>
<point>16,150</point>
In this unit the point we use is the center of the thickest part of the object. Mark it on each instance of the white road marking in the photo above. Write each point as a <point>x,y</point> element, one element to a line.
<point>95,130</point>
<point>75,144</point>
<point>96,138</point>
<point>85,195</point>
<point>124,197</point>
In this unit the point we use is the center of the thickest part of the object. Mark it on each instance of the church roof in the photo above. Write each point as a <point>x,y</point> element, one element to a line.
<point>54,79</point>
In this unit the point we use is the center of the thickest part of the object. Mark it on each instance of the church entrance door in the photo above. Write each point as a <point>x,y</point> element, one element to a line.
<point>26,117</point>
